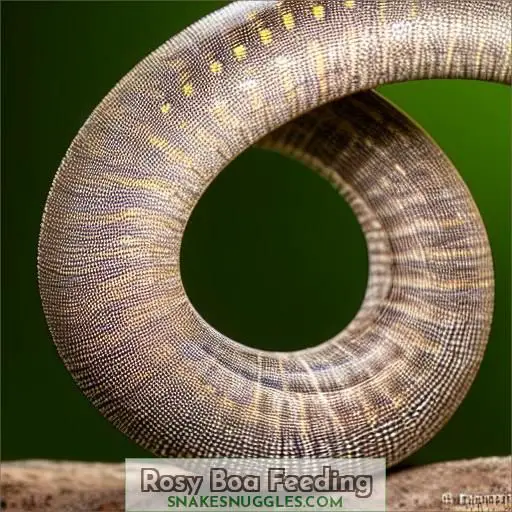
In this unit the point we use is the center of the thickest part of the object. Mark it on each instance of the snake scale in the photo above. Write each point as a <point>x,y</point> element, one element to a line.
<point>296,77</point>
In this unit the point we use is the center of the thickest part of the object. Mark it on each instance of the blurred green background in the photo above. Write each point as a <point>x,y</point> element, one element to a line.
<point>272,256</point>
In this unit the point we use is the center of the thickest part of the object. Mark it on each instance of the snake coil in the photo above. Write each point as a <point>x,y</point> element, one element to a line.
<point>295,76</point>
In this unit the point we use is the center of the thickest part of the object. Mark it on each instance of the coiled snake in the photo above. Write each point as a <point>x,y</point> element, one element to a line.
<point>110,238</point>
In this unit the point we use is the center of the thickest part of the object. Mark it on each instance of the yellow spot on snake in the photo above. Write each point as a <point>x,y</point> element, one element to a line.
<point>288,21</point>
<point>318,12</point>
<point>188,89</point>
<point>240,52</point>
<point>319,68</point>
<point>172,153</point>
<point>452,223</point>
<point>219,110</point>
<point>382,11</point>
<point>349,3</point>
<point>216,67</point>
<point>158,142</point>
<point>265,36</point>
<point>165,108</point>
<point>414,9</point>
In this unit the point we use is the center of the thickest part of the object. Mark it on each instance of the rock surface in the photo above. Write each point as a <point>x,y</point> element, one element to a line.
<point>80,486</point>
<point>437,487</point>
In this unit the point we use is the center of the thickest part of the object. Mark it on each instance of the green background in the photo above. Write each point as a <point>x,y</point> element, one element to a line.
<point>272,256</point>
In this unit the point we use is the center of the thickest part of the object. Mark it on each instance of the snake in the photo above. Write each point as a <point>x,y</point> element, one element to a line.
<point>296,77</point>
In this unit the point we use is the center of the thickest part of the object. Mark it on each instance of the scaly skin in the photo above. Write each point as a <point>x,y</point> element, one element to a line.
<point>113,224</point>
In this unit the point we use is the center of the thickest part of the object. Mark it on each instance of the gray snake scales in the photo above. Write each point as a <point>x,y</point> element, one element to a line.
<point>275,73</point>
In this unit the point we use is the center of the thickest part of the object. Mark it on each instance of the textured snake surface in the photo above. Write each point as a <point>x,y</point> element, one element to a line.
<point>276,72</point>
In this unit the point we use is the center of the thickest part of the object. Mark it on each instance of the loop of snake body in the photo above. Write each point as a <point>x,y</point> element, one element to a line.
<point>294,76</point>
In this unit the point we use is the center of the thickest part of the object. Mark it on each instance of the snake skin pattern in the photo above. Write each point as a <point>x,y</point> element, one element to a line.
<point>276,72</point>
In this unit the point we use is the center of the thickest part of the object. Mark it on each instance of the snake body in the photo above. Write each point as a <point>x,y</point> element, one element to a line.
<point>294,76</point>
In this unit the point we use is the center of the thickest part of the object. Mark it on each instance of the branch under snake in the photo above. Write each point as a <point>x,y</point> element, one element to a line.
<point>275,72</point>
